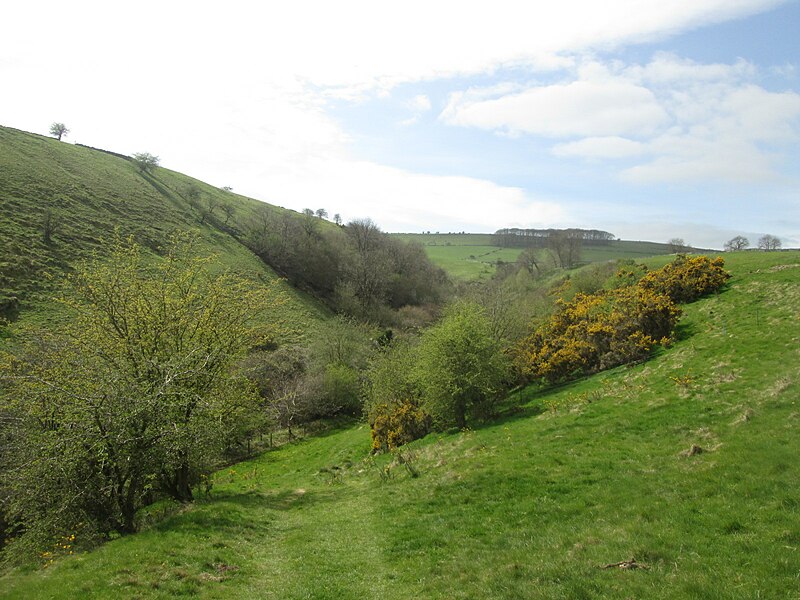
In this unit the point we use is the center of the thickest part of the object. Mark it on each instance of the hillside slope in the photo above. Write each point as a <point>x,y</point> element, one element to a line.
<point>676,478</point>
<point>60,202</point>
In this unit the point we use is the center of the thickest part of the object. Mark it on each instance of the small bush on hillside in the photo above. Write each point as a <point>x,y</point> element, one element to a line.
<point>394,425</point>
<point>687,278</point>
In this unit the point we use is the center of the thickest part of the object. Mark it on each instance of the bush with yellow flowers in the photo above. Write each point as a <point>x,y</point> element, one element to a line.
<point>398,424</point>
<point>687,278</point>
<point>598,331</point>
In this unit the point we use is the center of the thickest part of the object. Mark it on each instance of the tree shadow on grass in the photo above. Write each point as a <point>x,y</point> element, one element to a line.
<point>685,330</point>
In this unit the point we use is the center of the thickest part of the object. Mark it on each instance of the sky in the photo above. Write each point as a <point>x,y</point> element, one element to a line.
<point>650,119</point>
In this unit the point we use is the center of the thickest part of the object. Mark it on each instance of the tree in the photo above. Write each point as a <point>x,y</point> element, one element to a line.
<point>337,218</point>
<point>229,210</point>
<point>51,223</point>
<point>322,213</point>
<point>769,242</point>
<point>137,399</point>
<point>461,368</point>
<point>676,246</point>
<point>566,246</point>
<point>736,243</point>
<point>192,193</point>
<point>59,130</point>
<point>145,161</point>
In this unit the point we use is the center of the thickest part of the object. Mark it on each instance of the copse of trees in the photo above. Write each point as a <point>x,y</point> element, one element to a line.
<point>138,397</point>
<point>769,242</point>
<point>357,269</point>
<point>538,238</point>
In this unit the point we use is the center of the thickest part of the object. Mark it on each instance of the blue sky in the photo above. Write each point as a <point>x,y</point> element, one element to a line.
<point>650,119</point>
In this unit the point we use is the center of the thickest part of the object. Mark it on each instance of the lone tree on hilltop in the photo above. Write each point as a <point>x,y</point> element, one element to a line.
<point>769,242</point>
<point>145,161</point>
<point>59,130</point>
<point>676,246</point>
<point>737,243</point>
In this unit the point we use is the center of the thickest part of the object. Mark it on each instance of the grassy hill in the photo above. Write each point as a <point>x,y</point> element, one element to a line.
<point>86,194</point>
<point>471,256</point>
<point>684,467</point>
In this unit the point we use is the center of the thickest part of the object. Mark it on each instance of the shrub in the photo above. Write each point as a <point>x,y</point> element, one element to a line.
<point>137,395</point>
<point>397,424</point>
<point>687,278</point>
<point>598,331</point>
<point>460,367</point>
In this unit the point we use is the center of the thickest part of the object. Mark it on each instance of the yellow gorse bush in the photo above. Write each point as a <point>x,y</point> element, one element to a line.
<point>597,331</point>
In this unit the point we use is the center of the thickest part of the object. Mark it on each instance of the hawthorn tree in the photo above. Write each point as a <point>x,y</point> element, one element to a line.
<point>145,161</point>
<point>59,130</point>
<point>460,367</point>
<point>135,398</point>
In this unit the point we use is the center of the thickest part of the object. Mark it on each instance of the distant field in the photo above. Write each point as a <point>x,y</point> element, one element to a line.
<point>470,256</point>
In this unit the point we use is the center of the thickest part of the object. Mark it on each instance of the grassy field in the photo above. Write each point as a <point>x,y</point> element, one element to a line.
<point>684,466</point>
<point>471,256</point>
<point>90,194</point>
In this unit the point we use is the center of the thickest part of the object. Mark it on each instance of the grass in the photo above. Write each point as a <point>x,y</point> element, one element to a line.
<point>471,256</point>
<point>532,505</point>
<point>90,194</point>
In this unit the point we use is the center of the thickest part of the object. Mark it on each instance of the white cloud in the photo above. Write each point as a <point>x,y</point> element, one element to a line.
<point>420,103</point>
<point>578,108</point>
<point>601,147</point>
<point>698,122</point>
<point>237,94</point>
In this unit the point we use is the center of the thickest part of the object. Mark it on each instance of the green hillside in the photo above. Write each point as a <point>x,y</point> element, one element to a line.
<point>471,256</point>
<point>60,202</point>
<point>676,478</point>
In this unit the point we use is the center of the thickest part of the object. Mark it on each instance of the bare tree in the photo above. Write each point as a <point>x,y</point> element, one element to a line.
<point>769,242</point>
<point>322,213</point>
<point>737,243</point>
<point>676,246</point>
<point>59,130</point>
<point>208,210</point>
<point>337,218</point>
<point>566,247</point>
<point>51,223</point>
<point>229,210</point>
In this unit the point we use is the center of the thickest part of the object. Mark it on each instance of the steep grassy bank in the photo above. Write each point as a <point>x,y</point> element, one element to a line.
<point>684,466</point>
<point>60,202</point>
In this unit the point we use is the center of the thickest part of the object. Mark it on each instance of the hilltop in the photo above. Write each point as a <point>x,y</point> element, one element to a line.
<point>675,478</point>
